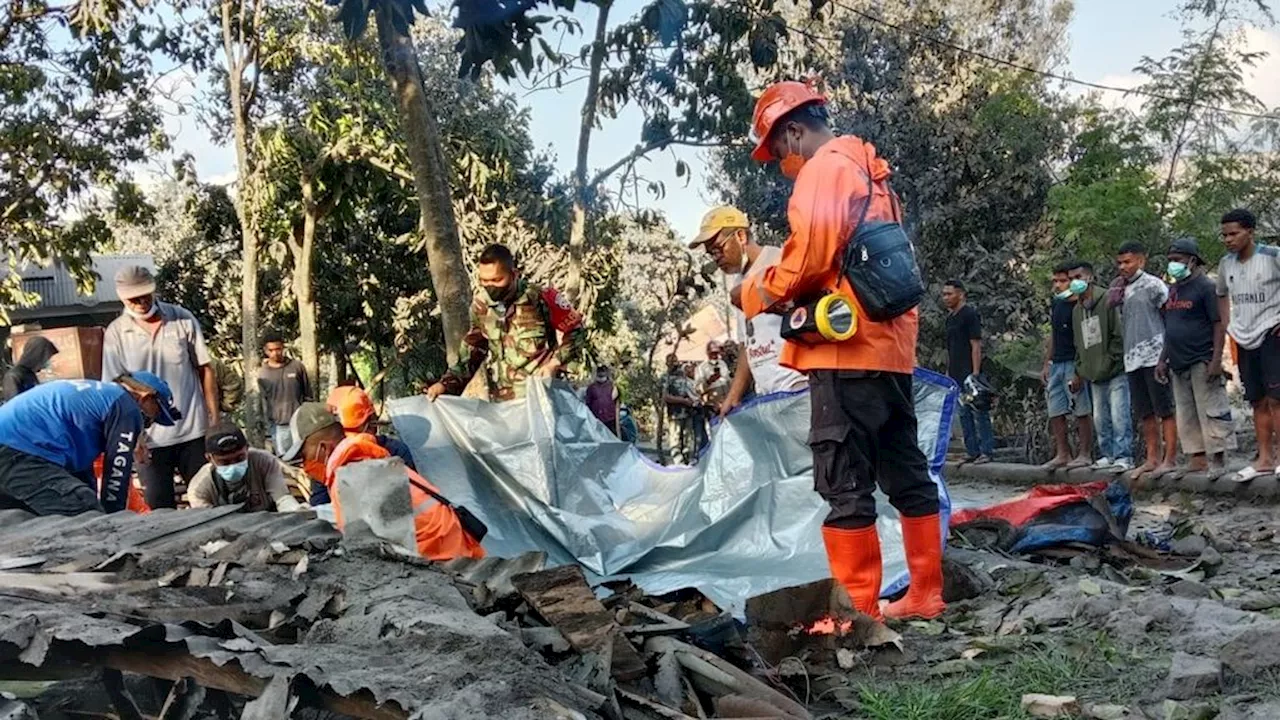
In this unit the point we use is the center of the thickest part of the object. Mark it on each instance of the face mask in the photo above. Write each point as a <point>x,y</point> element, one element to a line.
<point>146,315</point>
<point>1077,287</point>
<point>315,469</point>
<point>1178,270</point>
<point>602,378</point>
<point>233,474</point>
<point>499,294</point>
<point>791,163</point>
<point>1064,295</point>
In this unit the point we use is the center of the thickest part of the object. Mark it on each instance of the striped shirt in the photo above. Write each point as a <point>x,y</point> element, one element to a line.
<point>1254,289</point>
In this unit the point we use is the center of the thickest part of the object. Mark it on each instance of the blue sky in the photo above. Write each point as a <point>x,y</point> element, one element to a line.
<point>1107,38</point>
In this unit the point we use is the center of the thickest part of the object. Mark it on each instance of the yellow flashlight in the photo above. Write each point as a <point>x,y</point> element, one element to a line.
<point>831,318</point>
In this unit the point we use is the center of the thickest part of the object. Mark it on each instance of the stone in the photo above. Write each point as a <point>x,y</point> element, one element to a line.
<point>1050,706</point>
<point>1259,601</point>
<point>1156,607</point>
<point>1191,676</point>
<point>1107,712</point>
<point>1210,561</point>
<point>1191,545</point>
<point>1253,651</point>
<point>1190,589</point>
<point>1176,710</point>
<point>1097,608</point>
<point>1250,709</point>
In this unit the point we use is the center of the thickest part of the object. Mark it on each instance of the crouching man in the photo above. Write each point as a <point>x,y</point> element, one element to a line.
<point>51,435</point>
<point>322,445</point>
<point>237,473</point>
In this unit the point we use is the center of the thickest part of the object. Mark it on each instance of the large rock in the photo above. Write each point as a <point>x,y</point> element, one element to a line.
<point>1191,676</point>
<point>1255,650</point>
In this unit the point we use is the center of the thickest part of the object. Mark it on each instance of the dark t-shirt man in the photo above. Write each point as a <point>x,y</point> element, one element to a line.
<point>1189,316</point>
<point>283,389</point>
<point>963,326</point>
<point>1064,339</point>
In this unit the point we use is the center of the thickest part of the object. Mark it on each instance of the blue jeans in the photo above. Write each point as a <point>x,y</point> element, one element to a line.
<point>1111,417</point>
<point>978,437</point>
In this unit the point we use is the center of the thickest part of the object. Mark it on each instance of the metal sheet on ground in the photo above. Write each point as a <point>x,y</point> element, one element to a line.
<point>544,474</point>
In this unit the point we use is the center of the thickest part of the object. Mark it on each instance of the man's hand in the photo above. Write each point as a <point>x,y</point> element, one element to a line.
<point>1162,372</point>
<point>141,455</point>
<point>728,405</point>
<point>1075,384</point>
<point>1214,369</point>
<point>549,368</point>
<point>435,391</point>
<point>1044,375</point>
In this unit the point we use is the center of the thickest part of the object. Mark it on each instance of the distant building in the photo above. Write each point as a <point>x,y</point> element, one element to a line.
<point>61,305</point>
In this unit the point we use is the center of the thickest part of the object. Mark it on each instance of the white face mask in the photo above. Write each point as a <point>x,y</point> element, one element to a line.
<point>146,315</point>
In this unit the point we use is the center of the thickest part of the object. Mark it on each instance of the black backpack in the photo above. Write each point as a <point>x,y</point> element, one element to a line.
<point>880,263</point>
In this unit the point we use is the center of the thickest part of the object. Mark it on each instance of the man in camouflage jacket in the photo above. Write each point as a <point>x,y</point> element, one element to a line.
<point>514,325</point>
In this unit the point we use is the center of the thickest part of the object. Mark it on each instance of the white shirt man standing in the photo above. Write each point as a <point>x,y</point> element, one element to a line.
<point>726,235</point>
<point>156,337</point>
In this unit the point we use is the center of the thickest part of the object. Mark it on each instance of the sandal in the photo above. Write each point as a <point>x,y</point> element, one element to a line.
<point>1247,473</point>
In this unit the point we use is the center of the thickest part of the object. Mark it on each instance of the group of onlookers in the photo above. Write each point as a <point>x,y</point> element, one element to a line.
<point>1147,353</point>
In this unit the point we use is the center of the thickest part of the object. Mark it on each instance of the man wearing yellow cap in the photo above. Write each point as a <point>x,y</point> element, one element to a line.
<point>726,236</point>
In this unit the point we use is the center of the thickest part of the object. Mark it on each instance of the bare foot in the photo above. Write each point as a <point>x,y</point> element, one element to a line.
<point>1079,462</point>
<point>1055,463</point>
<point>1141,471</point>
<point>1198,465</point>
<point>1163,468</point>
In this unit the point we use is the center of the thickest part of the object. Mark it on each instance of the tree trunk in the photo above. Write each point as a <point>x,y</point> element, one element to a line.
<point>236,44</point>
<point>431,178</point>
<point>586,125</point>
<point>303,262</point>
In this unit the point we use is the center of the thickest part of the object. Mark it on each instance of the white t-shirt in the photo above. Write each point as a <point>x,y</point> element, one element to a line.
<point>762,338</point>
<point>1254,289</point>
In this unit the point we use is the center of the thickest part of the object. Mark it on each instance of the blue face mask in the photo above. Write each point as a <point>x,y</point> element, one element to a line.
<point>233,474</point>
<point>1178,270</point>
<point>1078,287</point>
<point>1064,294</point>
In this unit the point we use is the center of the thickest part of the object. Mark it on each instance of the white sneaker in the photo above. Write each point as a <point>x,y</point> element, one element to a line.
<point>1123,465</point>
<point>1102,464</point>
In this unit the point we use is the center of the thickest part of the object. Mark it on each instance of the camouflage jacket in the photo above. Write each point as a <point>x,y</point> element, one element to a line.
<point>516,338</point>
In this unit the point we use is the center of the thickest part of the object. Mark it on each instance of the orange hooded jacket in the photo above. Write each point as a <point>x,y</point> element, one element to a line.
<point>823,213</point>
<point>436,527</point>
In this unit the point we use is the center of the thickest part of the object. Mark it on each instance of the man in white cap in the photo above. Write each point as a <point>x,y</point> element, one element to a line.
<point>164,339</point>
<point>726,236</point>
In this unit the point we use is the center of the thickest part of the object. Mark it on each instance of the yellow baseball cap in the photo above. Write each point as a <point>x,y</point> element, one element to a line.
<point>718,219</point>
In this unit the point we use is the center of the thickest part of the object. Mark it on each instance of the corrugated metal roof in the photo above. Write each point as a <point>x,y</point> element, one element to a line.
<point>173,532</point>
<point>57,288</point>
<point>365,621</point>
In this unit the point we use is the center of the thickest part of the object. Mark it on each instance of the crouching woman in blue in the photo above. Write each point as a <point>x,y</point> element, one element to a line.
<point>51,434</point>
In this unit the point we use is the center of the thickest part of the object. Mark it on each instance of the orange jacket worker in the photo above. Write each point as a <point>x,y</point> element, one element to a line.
<point>863,423</point>
<point>323,446</point>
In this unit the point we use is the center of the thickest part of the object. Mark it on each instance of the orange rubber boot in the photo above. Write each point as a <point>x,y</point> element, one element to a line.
<point>922,541</point>
<point>854,556</point>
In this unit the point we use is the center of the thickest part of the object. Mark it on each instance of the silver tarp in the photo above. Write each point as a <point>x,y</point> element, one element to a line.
<point>544,474</point>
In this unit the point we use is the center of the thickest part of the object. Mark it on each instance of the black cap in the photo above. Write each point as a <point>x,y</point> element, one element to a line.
<point>1186,246</point>
<point>224,438</point>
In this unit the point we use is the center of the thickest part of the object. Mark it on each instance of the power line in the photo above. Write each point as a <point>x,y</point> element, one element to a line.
<point>1046,73</point>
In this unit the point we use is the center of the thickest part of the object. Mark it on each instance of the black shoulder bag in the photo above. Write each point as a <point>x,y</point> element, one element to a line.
<point>880,263</point>
<point>471,524</point>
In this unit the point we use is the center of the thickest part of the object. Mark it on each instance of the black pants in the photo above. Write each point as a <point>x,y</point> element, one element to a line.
<point>36,485</point>
<point>186,459</point>
<point>863,433</point>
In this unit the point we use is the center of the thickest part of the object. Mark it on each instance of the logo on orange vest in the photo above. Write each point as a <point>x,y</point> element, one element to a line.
<point>798,317</point>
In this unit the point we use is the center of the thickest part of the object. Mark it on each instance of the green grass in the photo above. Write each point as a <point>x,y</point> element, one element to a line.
<point>1090,668</point>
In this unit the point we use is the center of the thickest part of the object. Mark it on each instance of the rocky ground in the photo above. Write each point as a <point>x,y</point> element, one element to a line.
<point>1190,634</point>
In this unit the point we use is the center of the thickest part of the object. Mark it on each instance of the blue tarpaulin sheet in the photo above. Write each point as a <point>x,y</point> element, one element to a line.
<point>544,474</point>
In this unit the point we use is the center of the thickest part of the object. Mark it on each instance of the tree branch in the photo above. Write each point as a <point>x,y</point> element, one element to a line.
<point>644,149</point>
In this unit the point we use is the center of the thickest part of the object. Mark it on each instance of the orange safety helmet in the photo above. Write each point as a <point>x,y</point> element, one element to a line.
<point>352,406</point>
<point>776,101</point>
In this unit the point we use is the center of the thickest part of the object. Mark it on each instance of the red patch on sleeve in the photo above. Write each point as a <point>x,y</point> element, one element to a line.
<point>563,316</point>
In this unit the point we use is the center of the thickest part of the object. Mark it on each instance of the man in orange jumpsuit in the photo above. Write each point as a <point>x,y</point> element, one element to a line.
<point>323,446</point>
<point>863,423</point>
